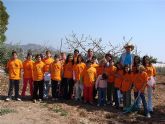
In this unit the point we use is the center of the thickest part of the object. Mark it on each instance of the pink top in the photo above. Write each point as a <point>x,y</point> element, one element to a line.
<point>100,83</point>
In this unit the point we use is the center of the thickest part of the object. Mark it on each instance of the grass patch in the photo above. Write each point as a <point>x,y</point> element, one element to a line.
<point>58,109</point>
<point>5,111</point>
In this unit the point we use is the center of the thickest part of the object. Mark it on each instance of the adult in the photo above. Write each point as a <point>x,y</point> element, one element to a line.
<point>90,55</point>
<point>127,57</point>
<point>14,67</point>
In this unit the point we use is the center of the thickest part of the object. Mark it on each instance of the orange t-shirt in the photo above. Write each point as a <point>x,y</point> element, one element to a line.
<point>118,78</point>
<point>89,76</point>
<point>127,82</point>
<point>78,70</point>
<point>56,71</point>
<point>140,81</point>
<point>150,70</point>
<point>100,70</point>
<point>111,70</point>
<point>47,62</point>
<point>68,70</point>
<point>14,67</point>
<point>28,68</point>
<point>38,71</point>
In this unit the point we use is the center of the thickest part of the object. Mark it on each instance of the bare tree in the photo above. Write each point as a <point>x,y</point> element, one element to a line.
<point>83,43</point>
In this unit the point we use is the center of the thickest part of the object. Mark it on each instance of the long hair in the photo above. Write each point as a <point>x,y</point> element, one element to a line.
<point>82,60</point>
<point>136,63</point>
<point>67,59</point>
<point>144,62</point>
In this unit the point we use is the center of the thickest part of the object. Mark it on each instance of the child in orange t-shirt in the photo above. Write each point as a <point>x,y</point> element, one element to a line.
<point>126,86</point>
<point>14,67</point>
<point>68,82</point>
<point>28,74</point>
<point>38,78</point>
<point>95,65</point>
<point>47,77</point>
<point>140,82</point>
<point>117,83</point>
<point>110,70</point>
<point>56,72</point>
<point>151,72</point>
<point>80,66</point>
<point>89,76</point>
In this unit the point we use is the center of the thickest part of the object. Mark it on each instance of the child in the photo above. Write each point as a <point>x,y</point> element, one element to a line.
<point>140,82</point>
<point>78,77</point>
<point>47,77</point>
<point>117,83</point>
<point>28,74</point>
<point>68,77</point>
<point>110,71</point>
<point>101,68</point>
<point>151,72</point>
<point>14,67</point>
<point>95,65</point>
<point>136,62</point>
<point>101,85</point>
<point>126,86</point>
<point>56,71</point>
<point>38,78</point>
<point>89,76</point>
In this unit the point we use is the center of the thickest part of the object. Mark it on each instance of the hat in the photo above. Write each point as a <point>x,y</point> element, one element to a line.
<point>129,45</point>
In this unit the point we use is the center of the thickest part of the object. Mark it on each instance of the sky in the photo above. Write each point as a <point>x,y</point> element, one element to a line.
<point>47,21</point>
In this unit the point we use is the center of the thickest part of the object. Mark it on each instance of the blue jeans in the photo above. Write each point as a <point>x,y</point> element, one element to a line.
<point>117,97</point>
<point>142,96</point>
<point>126,99</point>
<point>101,96</point>
<point>47,86</point>
<point>150,93</point>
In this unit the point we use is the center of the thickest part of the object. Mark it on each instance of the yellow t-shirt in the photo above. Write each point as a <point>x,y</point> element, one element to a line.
<point>56,71</point>
<point>14,67</point>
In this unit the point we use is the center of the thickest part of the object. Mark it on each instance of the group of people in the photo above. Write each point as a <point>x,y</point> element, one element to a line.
<point>74,77</point>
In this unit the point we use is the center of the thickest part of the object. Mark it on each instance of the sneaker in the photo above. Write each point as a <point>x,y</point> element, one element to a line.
<point>40,100</point>
<point>148,115</point>
<point>34,100</point>
<point>8,99</point>
<point>18,99</point>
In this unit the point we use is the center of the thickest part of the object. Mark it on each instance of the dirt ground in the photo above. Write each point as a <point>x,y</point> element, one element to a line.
<point>71,112</point>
